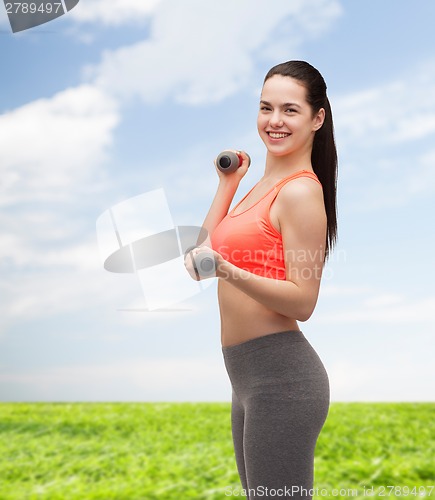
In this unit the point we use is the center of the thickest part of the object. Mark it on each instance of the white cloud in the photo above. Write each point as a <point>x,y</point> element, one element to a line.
<point>386,299</point>
<point>23,250</point>
<point>51,152</point>
<point>50,147</point>
<point>395,182</point>
<point>345,291</point>
<point>385,309</point>
<point>377,133</point>
<point>423,181</point>
<point>114,13</point>
<point>398,111</point>
<point>46,292</point>
<point>204,52</point>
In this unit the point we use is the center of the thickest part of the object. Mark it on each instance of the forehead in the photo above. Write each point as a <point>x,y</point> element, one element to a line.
<point>280,88</point>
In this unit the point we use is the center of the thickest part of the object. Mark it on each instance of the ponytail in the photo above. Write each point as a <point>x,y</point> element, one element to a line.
<point>324,162</point>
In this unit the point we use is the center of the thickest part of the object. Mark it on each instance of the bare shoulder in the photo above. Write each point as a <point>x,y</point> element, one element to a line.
<point>302,193</point>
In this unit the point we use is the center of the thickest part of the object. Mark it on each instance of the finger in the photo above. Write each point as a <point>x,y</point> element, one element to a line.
<point>192,256</point>
<point>246,158</point>
<point>189,250</point>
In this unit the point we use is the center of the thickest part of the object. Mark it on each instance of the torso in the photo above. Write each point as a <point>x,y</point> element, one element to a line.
<point>243,318</point>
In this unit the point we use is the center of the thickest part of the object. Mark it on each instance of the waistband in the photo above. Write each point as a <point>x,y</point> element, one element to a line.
<point>277,338</point>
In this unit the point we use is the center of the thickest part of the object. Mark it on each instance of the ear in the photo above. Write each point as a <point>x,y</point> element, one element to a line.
<point>319,119</point>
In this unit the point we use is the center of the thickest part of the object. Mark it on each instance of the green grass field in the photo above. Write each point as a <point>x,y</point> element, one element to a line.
<point>184,451</point>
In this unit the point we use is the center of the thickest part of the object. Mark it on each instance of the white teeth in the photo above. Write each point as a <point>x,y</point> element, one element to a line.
<point>276,135</point>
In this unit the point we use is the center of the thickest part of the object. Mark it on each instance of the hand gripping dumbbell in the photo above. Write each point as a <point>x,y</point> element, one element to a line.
<point>228,161</point>
<point>204,263</point>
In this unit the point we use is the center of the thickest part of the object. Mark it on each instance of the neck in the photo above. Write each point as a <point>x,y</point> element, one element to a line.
<point>278,167</point>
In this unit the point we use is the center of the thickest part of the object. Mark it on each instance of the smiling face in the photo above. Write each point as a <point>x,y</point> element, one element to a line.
<point>285,119</point>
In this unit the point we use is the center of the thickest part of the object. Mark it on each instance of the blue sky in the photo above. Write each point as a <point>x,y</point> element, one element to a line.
<point>103,105</point>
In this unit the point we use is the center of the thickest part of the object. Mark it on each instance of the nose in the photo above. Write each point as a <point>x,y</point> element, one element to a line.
<point>276,120</point>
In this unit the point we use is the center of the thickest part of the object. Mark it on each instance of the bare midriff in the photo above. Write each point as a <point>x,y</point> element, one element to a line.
<point>243,318</point>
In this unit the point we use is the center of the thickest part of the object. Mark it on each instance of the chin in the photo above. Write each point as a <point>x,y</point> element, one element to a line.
<point>280,154</point>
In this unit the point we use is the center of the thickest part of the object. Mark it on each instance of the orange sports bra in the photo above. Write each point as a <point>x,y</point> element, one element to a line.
<point>249,240</point>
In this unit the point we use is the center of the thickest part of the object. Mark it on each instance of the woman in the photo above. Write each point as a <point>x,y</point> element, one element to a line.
<point>269,252</point>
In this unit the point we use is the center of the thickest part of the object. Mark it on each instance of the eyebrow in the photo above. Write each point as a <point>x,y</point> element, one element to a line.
<point>285,105</point>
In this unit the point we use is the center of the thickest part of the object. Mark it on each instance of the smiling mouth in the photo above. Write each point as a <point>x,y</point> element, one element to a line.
<point>277,135</point>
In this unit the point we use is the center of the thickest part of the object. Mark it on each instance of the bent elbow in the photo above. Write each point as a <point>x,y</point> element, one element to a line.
<point>299,315</point>
<point>304,317</point>
<point>305,312</point>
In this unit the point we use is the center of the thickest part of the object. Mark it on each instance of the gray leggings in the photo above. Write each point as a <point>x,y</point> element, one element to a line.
<point>280,401</point>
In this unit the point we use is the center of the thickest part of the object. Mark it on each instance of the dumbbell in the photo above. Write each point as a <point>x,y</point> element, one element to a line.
<point>204,263</point>
<point>228,161</point>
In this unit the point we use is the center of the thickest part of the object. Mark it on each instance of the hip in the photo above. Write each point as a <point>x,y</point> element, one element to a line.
<point>279,362</point>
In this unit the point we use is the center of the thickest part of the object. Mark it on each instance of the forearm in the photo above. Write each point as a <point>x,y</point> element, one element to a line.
<point>282,296</point>
<point>219,208</point>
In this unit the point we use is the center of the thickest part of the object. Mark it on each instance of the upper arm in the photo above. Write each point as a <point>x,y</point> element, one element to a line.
<point>302,218</point>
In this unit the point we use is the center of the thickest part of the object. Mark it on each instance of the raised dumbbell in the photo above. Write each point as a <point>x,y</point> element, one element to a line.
<point>228,161</point>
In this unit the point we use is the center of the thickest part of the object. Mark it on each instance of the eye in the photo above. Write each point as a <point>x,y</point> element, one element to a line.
<point>290,110</point>
<point>264,108</point>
